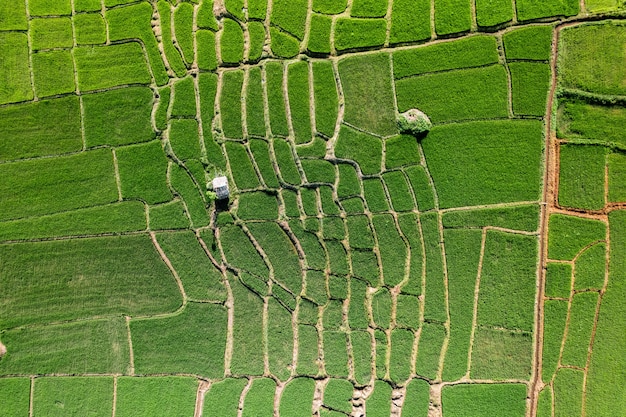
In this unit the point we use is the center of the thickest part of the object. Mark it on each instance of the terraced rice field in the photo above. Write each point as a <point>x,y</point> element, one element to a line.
<point>476,270</point>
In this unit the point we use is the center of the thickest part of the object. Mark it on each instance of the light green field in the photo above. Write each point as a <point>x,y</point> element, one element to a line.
<point>358,267</point>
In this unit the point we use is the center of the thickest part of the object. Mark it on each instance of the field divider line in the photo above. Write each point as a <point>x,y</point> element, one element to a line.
<point>131,353</point>
<point>229,304</point>
<point>475,308</point>
<point>167,262</point>
<point>31,396</point>
<point>203,387</point>
<point>341,109</point>
<point>30,52</point>
<point>116,169</point>
<point>549,198</point>
<point>242,398</point>
<point>607,260</point>
<point>446,340</point>
<point>474,24</point>
<point>114,405</point>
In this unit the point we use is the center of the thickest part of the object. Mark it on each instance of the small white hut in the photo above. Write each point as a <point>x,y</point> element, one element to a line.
<point>220,188</point>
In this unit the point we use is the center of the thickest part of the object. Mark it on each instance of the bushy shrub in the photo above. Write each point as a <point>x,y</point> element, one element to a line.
<point>415,122</point>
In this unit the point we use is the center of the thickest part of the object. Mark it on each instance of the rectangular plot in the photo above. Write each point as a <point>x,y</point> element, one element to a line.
<point>255,106</point>
<point>92,346</point>
<point>362,354</point>
<point>156,396</point>
<point>101,67</point>
<point>358,316</point>
<point>462,258</point>
<point>475,51</point>
<point>73,396</point>
<point>279,340</point>
<point>90,28</point>
<point>276,101</point>
<point>594,122</point>
<point>393,251</point>
<point>45,186</point>
<point>507,283</point>
<point>581,320</point>
<point>15,83</point>
<point>554,320</point>
<point>530,82</point>
<point>410,21</point>
<point>477,93</point>
<point>248,357</point>
<point>244,175</point>
<point>114,218</point>
<point>485,162</point>
<point>230,104</point>
<point>13,15</point>
<point>325,95</point>
<point>336,353</point>
<point>617,177</point>
<point>319,38</point>
<point>285,161</point>
<point>416,400</point>
<point>500,355</point>
<point>558,280</point>
<point>356,34</point>
<point>222,399</point>
<point>298,92</point>
<point>118,117</point>
<point>143,172</point>
<point>184,97</point>
<point>337,257</point>
<point>240,252</point>
<point>360,232</point>
<point>169,216</point>
<point>491,13</point>
<point>259,400</point>
<point>536,9</point>
<point>375,195</point>
<point>400,362</point>
<point>435,298</point>
<point>525,217</point>
<point>53,32</point>
<point>184,138</point>
<point>15,393</point>
<point>78,264</point>
<point>568,393</point>
<point>378,403</point>
<point>429,350</point>
<point>307,350</point>
<point>297,398</point>
<point>581,176</point>
<point>496,400</point>
<point>452,16</point>
<point>260,152</point>
<point>530,42</point>
<point>46,127</point>
<point>53,73</point>
<point>369,99</point>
